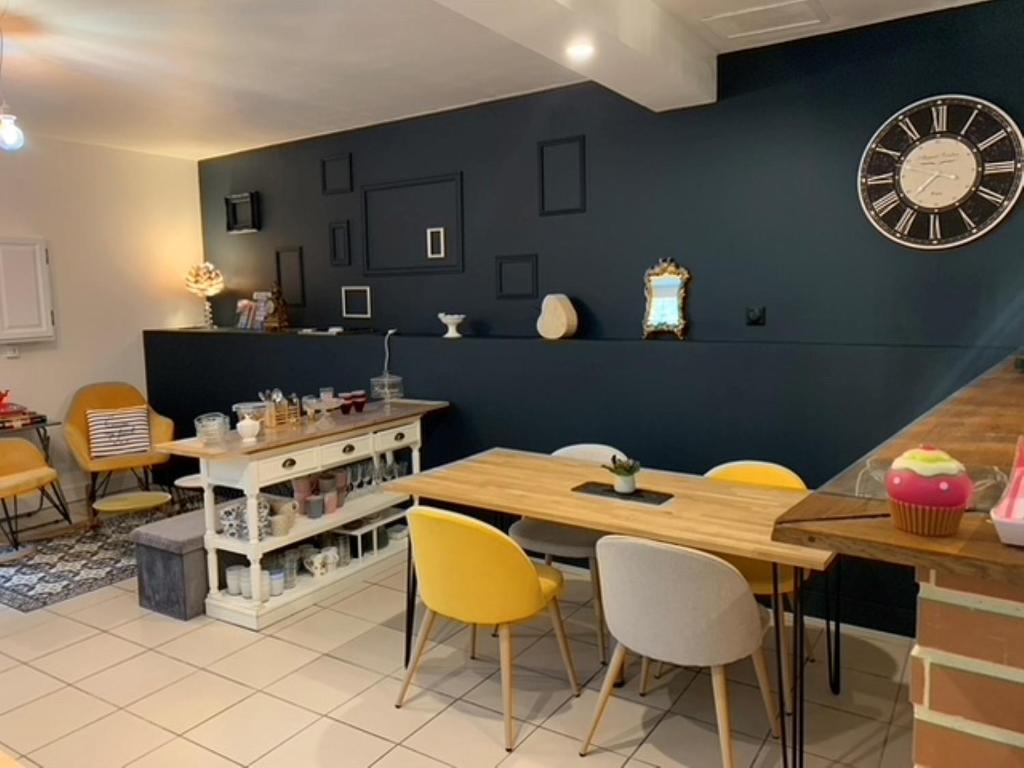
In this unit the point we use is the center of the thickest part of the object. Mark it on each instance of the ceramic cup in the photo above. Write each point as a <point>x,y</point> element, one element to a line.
<point>359,400</point>
<point>277,583</point>
<point>280,524</point>
<point>302,487</point>
<point>330,557</point>
<point>315,507</point>
<point>327,482</point>
<point>330,502</point>
<point>245,583</point>
<point>234,579</point>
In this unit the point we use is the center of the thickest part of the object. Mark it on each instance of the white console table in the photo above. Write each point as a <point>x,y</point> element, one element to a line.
<point>280,455</point>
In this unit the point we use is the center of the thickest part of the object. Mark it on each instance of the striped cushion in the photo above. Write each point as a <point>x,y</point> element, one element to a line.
<point>117,431</point>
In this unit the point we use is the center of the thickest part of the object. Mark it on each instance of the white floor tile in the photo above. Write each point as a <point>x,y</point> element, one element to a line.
<point>378,648</point>
<point>326,743</point>
<point>113,741</point>
<point>544,656</point>
<point>97,596</point>
<point>323,685</point>
<point>400,757</point>
<point>578,589</point>
<point>861,693</point>
<point>121,609</point>
<point>844,737</point>
<point>662,692</point>
<point>880,656</point>
<point>899,748</point>
<point>43,638</point>
<point>374,710</point>
<point>324,630</point>
<point>442,631</point>
<point>395,581</point>
<point>128,585</point>
<point>536,696</point>
<point>6,662</point>
<point>466,736</point>
<point>251,728</point>
<point>12,621</point>
<point>135,678</point>
<point>770,756</point>
<point>374,604</point>
<point>450,671</point>
<point>86,657</point>
<point>209,643</point>
<point>180,753</point>
<point>623,726</point>
<point>746,707</point>
<point>22,684</point>
<point>154,629</point>
<point>678,742</point>
<point>188,702</point>
<point>46,719</point>
<point>264,662</point>
<point>543,749</point>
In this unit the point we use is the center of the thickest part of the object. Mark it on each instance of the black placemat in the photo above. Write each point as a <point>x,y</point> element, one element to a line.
<point>608,490</point>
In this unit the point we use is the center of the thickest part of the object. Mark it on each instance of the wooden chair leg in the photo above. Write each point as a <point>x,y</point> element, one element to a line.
<point>764,683</point>
<point>659,670</point>
<point>721,690</point>
<point>549,559</point>
<point>417,654</point>
<point>595,580</point>
<point>618,657</point>
<point>563,646</point>
<point>645,674</point>
<point>472,641</point>
<point>508,700</point>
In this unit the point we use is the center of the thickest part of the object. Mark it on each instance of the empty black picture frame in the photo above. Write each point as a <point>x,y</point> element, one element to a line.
<point>409,222</point>
<point>242,212</point>
<point>338,237</point>
<point>562,168</point>
<point>336,174</point>
<point>516,276</point>
<point>291,275</point>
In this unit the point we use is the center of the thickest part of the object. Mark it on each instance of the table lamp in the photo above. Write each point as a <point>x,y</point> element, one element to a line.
<point>205,280</point>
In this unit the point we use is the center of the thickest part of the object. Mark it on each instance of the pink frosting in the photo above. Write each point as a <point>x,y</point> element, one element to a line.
<point>937,491</point>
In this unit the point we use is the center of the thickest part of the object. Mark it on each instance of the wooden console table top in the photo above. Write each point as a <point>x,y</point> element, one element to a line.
<point>979,425</point>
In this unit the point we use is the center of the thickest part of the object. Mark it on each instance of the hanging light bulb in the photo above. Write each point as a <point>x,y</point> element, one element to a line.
<point>11,136</point>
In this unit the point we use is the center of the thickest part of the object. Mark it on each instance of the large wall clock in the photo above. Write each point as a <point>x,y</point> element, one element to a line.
<point>942,172</point>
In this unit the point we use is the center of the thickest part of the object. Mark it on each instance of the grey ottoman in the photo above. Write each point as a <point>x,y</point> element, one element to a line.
<point>171,563</point>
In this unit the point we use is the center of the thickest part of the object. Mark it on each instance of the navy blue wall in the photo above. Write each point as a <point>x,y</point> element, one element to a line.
<point>755,194</point>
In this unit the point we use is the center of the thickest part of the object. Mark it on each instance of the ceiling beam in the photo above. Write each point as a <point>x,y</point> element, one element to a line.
<point>640,50</point>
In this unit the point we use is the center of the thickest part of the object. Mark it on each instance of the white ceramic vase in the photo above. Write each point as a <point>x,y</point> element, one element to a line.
<point>248,428</point>
<point>625,484</point>
<point>452,323</point>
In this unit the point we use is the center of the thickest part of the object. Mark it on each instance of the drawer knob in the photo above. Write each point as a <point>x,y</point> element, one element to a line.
<point>399,436</point>
<point>288,463</point>
<point>348,448</point>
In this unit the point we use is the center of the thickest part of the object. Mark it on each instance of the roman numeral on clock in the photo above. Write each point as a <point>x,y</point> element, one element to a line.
<point>934,229</point>
<point>967,219</point>
<point>886,203</point>
<point>906,221</point>
<point>889,152</point>
<point>1004,166</point>
<point>940,113</point>
<point>881,178</point>
<point>997,136</point>
<point>909,129</point>
<point>993,197</point>
<point>963,131</point>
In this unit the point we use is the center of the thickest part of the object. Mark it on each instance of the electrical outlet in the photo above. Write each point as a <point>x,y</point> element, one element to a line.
<point>757,315</point>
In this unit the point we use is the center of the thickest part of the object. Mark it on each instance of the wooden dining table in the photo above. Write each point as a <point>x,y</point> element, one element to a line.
<point>712,515</point>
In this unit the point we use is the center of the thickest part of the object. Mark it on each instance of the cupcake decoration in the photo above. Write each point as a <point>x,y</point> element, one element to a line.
<point>928,492</point>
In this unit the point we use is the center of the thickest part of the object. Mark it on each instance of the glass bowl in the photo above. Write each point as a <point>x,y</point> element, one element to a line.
<point>212,427</point>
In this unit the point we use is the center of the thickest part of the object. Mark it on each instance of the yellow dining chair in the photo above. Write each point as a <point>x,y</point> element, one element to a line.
<point>469,571</point>
<point>23,469</point>
<point>758,573</point>
<point>112,394</point>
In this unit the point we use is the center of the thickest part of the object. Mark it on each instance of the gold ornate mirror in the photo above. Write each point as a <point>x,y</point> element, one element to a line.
<point>665,286</point>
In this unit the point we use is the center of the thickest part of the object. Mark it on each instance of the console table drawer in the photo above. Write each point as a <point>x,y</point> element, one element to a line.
<point>398,437</point>
<point>347,450</point>
<point>288,465</point>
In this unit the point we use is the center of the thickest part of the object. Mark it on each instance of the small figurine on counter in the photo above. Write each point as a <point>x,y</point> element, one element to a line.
<point>277,318</point>
<point>928,492</point>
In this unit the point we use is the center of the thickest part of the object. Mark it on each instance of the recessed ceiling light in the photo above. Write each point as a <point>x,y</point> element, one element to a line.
<point>579,51</point>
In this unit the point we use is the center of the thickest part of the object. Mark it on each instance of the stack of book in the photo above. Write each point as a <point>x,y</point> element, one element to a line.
<point>14,416</point>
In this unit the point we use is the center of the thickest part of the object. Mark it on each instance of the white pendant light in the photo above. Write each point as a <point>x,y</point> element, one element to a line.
<point>11,136</point>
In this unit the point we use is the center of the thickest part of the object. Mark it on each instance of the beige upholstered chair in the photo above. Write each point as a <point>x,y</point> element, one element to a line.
<point>709,619</point>
<point>554,540</point>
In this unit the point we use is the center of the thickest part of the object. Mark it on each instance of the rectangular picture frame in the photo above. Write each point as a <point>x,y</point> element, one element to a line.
<point>353,300</point>
<point>338,238</point>
<point>242,213</point>
<point>291,275</point>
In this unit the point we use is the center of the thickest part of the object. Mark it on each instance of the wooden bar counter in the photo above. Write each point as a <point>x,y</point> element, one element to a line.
<point>967,668</point>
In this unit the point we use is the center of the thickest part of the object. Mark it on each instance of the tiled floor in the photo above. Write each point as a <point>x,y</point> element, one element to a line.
<point>99,683</point>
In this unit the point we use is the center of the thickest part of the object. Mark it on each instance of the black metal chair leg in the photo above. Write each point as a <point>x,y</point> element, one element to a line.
<point>12,530</point>
<point>56,500</point>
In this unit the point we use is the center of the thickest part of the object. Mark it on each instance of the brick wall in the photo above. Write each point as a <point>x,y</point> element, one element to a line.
<point>967,673</point>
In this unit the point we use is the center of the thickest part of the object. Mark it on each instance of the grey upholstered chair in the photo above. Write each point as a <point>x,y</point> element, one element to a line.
<point>554,540</point>
<point>708,619</point>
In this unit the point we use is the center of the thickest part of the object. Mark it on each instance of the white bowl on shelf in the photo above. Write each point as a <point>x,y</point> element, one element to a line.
<point>1010,530</point>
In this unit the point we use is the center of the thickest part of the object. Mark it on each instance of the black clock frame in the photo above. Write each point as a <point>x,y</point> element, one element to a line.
<point>992,195</point>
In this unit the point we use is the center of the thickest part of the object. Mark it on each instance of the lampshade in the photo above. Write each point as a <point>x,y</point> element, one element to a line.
<point>204,280</point>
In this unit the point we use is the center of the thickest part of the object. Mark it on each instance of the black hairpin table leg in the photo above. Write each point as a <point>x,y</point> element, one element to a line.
<point>798,668</point>
<point>777,622</point>
<point>833,637</point>
<point>410,601</point>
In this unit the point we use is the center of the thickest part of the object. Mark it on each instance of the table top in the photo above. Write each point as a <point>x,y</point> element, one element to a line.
<point>712,515</point>
<point>978,425</point>
<point>332,426</point>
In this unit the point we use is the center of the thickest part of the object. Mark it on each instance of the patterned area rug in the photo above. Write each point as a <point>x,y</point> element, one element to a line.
<point>73,565</point>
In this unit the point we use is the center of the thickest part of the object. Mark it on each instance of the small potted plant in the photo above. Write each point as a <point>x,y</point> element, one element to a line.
<point>625,471</point>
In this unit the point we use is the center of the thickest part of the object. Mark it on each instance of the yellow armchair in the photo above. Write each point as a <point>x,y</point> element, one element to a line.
<point>112,394</point>
<point>23,469</point>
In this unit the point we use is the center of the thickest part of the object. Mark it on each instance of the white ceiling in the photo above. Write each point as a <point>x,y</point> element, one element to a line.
<point>198,78</point>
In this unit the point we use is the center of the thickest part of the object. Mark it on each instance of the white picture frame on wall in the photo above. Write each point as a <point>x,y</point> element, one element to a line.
<point>435,243</point>
<point>356,302</point>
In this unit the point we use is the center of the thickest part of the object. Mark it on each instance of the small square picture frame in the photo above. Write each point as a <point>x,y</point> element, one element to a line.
<point>435,243</point>
<point>356,302</point>
<point>242,212</point>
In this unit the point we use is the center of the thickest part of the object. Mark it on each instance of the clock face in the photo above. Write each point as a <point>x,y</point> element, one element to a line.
<point>942,172</point>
